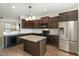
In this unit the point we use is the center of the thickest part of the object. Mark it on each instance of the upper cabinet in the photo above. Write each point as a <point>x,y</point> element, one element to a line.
<point>73,15</point>
<point>69,16</point>
<point>44,22</point>
<point>27,24</point>
<point>37,23</point>
<point>53,22</point>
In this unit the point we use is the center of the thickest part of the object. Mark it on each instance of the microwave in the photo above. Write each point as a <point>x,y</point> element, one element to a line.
<point>44,25</point>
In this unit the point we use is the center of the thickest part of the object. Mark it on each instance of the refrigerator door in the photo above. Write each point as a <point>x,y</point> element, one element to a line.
<point>63,30</point>
<point>64,45</point>
<point>73,47</point>
<point>73,30</point>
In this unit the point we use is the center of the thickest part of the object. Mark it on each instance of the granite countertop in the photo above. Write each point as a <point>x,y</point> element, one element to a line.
<point>14,33</point>
<point>33,38</point>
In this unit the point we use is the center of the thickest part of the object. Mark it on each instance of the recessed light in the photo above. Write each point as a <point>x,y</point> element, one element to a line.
<point>1,19</point>
<point>45,10</point>
<point>13,7</point>
<point>30,18</point>
<point>26,19</point>
<point>33,17</point>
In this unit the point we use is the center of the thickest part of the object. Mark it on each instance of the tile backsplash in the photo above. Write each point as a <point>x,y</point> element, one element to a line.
<point>24,31</point>
<point>52,31</point>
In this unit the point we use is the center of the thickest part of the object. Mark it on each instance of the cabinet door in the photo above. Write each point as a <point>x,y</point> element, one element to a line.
<point>53,40</point>
<point>31,23</point>
<point>41,21</point>
<point>45,19</point>
<point>50,25</point>
<point>27,24</point>
<point>53,22</point>
<point>24,23</point>
<point>73,15</point>
<point>11,41</point>
<point>36,24</point>
<point>63,16</point>
<point>69,16</point>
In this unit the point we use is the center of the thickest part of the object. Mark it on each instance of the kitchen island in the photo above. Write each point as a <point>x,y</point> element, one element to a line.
<point>34,45</point>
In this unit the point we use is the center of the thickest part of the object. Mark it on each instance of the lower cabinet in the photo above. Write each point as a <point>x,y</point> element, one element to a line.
<point>10,41</point>
<point>53,40</point>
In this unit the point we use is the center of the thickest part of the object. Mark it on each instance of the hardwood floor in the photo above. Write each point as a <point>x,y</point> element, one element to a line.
<point>18,51</point>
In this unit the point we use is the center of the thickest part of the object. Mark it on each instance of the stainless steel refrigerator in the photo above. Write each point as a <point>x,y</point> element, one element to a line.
<point>68,36</point>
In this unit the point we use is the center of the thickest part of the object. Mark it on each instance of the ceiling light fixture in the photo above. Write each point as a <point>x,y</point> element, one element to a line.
<point>45,10</point>
<point>13,7</point>
<point>30,16</point>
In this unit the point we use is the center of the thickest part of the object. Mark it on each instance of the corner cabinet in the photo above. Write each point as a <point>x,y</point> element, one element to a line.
<point>69,16</point>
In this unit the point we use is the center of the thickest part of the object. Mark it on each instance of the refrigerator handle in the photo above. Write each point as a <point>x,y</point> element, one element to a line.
<point>67,30</point>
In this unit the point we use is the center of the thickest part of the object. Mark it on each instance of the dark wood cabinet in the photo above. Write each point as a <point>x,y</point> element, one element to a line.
<point>53,22</point>
<point>27,24</point>
<point>10,41</point>
<point>63,17</point>
<point>69,16</point>
<point>53,40</point>
<point>73,15</point>
<point>44,19</point>
<point>50,22</point>
<point>37,23</point>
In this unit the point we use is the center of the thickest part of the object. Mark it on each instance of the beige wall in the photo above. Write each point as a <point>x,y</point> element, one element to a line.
<point>1,34</point>
<point>1,28</point>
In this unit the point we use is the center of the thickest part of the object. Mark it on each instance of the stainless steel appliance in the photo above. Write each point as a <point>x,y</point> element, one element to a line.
<point>68,36</point>
<point>44,25</point>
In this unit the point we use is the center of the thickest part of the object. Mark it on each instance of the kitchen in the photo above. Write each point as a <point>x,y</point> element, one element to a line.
<point>56,26</point>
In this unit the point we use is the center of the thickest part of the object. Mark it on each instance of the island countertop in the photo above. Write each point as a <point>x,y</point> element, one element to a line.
<point>33,38</point>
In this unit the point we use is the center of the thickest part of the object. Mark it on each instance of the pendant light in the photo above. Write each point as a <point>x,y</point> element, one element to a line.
<point>30,17</point>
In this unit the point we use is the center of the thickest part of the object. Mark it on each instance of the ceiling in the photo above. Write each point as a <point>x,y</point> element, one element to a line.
<point>21,9</point>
